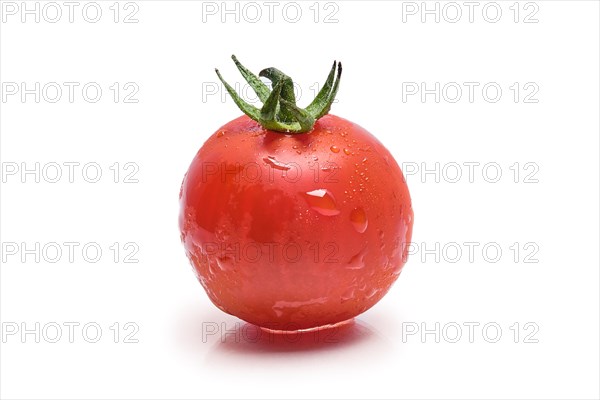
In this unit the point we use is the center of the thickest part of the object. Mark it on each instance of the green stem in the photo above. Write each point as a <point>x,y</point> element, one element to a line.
<point>279,111</point>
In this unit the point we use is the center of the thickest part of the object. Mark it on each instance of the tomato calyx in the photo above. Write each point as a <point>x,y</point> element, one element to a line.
<point>279,111</point>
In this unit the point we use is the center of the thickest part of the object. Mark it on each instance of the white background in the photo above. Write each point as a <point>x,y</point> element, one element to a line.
<point>170,54</point>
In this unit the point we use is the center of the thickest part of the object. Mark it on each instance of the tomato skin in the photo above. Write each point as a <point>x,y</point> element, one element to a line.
<point>295,231</point>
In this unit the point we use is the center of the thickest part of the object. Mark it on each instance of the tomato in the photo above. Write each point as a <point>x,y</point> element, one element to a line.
<point>293,231</point>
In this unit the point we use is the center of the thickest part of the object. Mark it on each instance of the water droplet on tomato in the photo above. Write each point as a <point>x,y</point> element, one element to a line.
<point>348,294</point>
<point>385,261</point>
<point>358,260</point>
<point>335,149</point>
<point>181,187</point>
<point>382,243</point>
<point>211,271</point>
<point>347,152</point>
<point>221,233</point>
<point>278,311</point>
<point>224,263</point>
<point>358,217</point>
<point>322,201</point>
<point>220,133</point>
<point>276,164</point>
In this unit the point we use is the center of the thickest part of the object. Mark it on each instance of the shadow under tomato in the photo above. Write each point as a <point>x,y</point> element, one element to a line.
<point>248,338</point>
<point>222,341</point>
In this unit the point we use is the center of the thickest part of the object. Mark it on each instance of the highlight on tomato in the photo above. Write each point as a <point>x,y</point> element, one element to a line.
<point>294,218</point>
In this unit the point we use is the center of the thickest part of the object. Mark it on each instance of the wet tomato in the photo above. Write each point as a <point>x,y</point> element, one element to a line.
<point>299,227</point>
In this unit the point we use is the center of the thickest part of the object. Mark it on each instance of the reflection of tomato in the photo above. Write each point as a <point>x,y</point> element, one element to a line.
<point>293,231</point>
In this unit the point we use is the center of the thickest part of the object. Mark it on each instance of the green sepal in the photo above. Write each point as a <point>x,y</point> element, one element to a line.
<point>261,90</point>
<point>248,109</point>
<point>279,111</point>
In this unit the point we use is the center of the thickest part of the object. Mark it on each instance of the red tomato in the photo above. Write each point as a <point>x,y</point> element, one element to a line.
<point>295,231</point>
